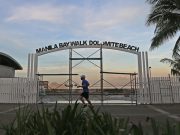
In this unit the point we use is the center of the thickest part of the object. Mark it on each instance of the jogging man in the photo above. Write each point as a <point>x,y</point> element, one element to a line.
<point>85,93</point>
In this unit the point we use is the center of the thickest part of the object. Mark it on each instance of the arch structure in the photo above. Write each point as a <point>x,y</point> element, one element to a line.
<point>142,58</point>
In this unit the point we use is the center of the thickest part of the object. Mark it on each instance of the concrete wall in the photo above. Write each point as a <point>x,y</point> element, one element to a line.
<point>6,72</point>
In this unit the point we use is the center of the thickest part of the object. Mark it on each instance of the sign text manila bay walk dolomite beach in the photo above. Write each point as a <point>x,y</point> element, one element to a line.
<point>88,43</point>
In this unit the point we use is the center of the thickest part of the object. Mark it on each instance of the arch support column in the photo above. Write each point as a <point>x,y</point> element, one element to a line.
<point>32,65</point>
<point>140,78</point>
<point>144,93</point>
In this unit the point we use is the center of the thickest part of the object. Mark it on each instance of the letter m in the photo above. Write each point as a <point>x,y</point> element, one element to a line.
<point>38,50</point>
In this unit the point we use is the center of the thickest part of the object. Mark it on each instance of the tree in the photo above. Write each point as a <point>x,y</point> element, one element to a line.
<point>174,64</point>
<point>165,15</point>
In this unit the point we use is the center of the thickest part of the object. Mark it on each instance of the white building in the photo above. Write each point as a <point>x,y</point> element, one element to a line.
<point>8,65</point>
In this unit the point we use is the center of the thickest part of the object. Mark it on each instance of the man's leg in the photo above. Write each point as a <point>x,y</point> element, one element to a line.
<point>87,99</point>
<point>89,102</point>
<point>82,100</point>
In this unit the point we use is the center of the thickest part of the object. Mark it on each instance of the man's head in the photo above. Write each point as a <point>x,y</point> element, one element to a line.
<point>83,77</point>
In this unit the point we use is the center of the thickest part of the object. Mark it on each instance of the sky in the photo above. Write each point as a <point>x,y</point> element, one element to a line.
<point>31,24</point>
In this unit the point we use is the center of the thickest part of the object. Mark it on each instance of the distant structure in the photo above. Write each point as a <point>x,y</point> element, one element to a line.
<point>8,65</point>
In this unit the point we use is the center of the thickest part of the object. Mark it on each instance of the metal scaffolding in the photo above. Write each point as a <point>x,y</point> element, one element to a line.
<point>82,58</point>
<point>132,82</point>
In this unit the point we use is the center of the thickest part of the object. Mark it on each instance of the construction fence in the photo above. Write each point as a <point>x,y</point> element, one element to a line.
<point>160,90</point>
<point>18,90</point>
<point>156,90</point>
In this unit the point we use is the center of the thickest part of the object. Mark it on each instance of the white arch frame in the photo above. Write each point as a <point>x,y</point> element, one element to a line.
<point>142,57</point>
<point>88,46</point>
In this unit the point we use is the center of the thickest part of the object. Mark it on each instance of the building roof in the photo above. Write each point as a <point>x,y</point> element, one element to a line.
<point>7,60</point>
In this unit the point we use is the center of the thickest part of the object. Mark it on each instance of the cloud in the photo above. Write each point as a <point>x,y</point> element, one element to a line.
<point>108,22</point>
<point>11,41</point>
<point>110,17</point>
<point>46,13</point>
<point>91,18</point>
<point>158,56</point>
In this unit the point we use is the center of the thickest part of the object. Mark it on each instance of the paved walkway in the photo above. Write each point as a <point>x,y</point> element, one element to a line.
<point>135,113</point>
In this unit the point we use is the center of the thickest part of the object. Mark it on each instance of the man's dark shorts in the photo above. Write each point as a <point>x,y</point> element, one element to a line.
<point>85,95</point>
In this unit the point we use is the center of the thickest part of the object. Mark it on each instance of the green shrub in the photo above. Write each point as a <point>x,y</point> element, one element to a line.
<point>76,120</point>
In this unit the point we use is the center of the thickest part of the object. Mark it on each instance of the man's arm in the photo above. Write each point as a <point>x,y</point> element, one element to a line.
<point>84,85</point>
<point>81,86</point>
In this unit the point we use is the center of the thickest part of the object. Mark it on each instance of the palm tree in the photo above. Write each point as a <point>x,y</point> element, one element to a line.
<point>165,15</point>
<point>174,64</point>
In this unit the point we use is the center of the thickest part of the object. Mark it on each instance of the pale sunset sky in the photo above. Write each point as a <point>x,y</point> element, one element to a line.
<point>30,24</point>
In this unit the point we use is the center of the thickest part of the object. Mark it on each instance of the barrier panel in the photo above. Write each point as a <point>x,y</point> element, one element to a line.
<point>18,90</point>
<point>160,90</point>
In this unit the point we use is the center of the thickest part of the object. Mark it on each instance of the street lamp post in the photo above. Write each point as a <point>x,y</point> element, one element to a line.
<point>149,72</point>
